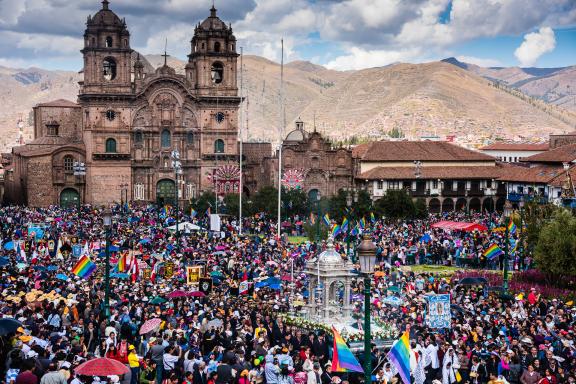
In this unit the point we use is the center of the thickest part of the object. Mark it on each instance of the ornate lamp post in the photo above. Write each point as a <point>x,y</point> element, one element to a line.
<point>521,237</point>
<point>318,212</point>
<point>79,169</point>
<point>107,221</point>
<point>351,197</point>
<point>506,217</point>
<point>367,259</point>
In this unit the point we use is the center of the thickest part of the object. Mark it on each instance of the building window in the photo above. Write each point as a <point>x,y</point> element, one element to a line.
<point>434,184</point>
<point>52,129</point>
<point>109,42</point>
<point>139,191</point>
<point>138,137</point>
<point>393,185</point>
<point>189,137</point>
<point>217,72</point>
<point>380,184</point>
<point>216,47</point>
<point>219,146</point>
<point>165,139</point>
<point>190,191</point>
<point>110,146</point>
<point>109,69</point>
<point>68,163</point>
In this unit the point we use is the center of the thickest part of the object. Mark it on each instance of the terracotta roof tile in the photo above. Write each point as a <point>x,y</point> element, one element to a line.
<point>563,154</point>
<point>559,180</point>
<point>427,173</point>
<point>541,174</point>
<point>419,150</point>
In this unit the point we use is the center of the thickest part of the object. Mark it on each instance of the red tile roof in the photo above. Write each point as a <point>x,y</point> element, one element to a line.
<point>515,147</point>
<point>541,174</point>
<point>427,173</point>
<point>559,180</point>
<point>417,150</point>
<point>563,154</point>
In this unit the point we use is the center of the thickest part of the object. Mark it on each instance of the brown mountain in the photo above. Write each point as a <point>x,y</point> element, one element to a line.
<point>418,99</point>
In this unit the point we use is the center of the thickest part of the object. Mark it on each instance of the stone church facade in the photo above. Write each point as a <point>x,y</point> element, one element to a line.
<point>129,119</point>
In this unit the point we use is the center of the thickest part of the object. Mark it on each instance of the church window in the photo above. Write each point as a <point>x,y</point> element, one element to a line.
<point>52,129</point>
<point>68,163</point>
<point>219,146</point>
<point>109,69</point>
<point>139,191</point>
<point>110,115</point>
<point>217,72</point>
<point>110,146</point>
<point>216,47</point>
<point>190,191</point>
<point>109,42</point>
<point>165,138</point>
<point>202,46</point>
<point>93,42</point>
<point>138,137</point>
<point>189,137</point>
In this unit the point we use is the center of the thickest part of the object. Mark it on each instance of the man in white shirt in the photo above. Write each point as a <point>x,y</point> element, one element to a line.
<point>431,361</point>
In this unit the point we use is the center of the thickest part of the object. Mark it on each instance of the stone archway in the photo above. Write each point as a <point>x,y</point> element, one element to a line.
<point>461,204</point>
<point>475,205</point>
<point>165,192</point>
<point>69,197</point>
<point>488,205</point>
<point>448,205</point>
<point>313,194</point>
<point>434,205</point>
<point>500,204</point>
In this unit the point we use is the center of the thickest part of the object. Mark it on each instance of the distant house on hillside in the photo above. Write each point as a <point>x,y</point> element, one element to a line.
<point>513,152</point>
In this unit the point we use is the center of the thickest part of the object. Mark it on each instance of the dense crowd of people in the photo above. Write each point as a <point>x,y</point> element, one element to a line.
<point>226,334</point>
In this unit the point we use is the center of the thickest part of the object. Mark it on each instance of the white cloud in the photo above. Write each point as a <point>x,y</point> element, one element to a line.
<point>359,58</point>
<point>535,44</point>
<point>483,62</point>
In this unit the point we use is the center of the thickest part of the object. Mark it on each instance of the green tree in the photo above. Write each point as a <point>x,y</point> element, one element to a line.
<point>338,206</point>
<point>395,133</point>
<point>556,248</point>
<point>231,205</point>
<point>294,202</point>
<point>421,209</point>
<point>265,200</point>
<point>535,217</point>
<point>396,204</point>
<point>311,230</point>
<point>201,204</point>
<point>364,205</point>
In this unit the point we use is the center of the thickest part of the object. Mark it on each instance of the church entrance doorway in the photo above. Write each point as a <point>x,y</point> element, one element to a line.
<point>69,198</point>
<point>165,190</point>
<point>313,195</point>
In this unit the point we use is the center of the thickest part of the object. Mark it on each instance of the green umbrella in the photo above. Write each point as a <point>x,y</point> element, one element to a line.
<point>394,288</point>
<point>216,274</point>
<point>157,300</point>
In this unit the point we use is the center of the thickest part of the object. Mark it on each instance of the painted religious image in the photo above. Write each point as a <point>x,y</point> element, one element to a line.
<point>439,311</point>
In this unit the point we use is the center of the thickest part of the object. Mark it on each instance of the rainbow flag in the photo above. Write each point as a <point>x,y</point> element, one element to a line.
<point>166,210</point>
<point>312,219</point>
<point>399,355</point>
<point>355,231</point>
<point>372,217</point>
<point>84,267</point>
<point>326,220</point>
<point>343,359</point>
<point>344,225</point>
<point>512,227</point>
<point>193,213</point>
<point>121,266</point>
<point>493,252</point>
<point>335,230</point>
<point>362,223</point>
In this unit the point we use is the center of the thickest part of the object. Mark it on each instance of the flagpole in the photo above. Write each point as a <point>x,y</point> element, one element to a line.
<point>282,123</point>
<point>241,139</point>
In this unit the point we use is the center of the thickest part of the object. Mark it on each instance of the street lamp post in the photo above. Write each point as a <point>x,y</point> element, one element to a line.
<point>351,196</point>
<point>177,165</point>
<point>367,259</point>
<point>507,216</point>
<point>521,235</point>
<point>107,220</point>
<point>79,169</point>
<point>318,212</point>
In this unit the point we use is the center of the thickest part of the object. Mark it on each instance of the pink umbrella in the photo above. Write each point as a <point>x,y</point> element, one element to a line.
<point>101,367</point>
<point>220,248</point>
<point>196,294</point>
<point>176,294</point>
<point>286,278</point>
<point>150,325</point>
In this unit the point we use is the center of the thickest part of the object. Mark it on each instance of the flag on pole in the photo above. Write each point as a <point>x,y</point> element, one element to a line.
<point>512,227</point>
<point>493,252</point>
<point>84,267</point>
<point>335,230</point>
<point>344,226</point>
<point>193,213</point>
<point>372,217</point>
<point>121,266</point>
<point>243,287</point>
<point>343,359</point>
<point>399,355</point>
<point>326,219</point>
<point>362,223</point>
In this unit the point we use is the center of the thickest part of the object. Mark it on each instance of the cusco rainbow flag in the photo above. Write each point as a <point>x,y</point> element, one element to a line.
<point>342,358</point>
<point>121,266</point>
<point>84,267</point>
<point>512,227</point>
<point>335,230</point>
<point>399,355</point>
<point>493,252</point>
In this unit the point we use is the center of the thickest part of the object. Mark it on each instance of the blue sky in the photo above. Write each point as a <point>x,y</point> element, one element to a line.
<point>340,34</point>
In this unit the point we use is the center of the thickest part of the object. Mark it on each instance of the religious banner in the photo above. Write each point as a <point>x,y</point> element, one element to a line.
<point>76,250</point>
<point>439,315</point>
<point>193,274</point>
<point>205,285</point>
<point>168,269</point>
<point>146,273</point>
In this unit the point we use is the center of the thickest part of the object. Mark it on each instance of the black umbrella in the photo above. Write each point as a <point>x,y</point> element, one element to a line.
<point>8,325</point>
<point>473,281</point>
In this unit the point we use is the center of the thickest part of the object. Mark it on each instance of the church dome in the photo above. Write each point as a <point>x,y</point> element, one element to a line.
<point>213,22</point>
<point>296,135</point>
<point>105,17</point>
<point>330,256</point>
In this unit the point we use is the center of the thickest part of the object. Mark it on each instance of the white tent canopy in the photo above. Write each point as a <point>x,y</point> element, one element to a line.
<point>186,227</point>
